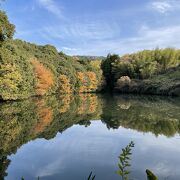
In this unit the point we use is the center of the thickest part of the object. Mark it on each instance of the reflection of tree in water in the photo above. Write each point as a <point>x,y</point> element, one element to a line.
<point>66,100</point>
<point>85,123</point>
<point>23,121</point>
<point>45,116</point>
<point>88,104</point>
<point>4,163</point>
<point>155,115</point>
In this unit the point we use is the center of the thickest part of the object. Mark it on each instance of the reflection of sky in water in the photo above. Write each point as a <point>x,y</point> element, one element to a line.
<point>79,150</point>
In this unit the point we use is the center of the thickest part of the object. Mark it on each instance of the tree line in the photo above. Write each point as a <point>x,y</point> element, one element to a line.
<point>28,69</point>
<point>141,65</point>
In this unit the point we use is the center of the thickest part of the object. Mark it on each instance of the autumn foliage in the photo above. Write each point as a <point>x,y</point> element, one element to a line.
<point>88,104</point>
<point>65,86</point>
<point>45,116</point>
<point>83,81</point>
<point>93,81</point>
<point>44,77</point>
<point>88,81</point>
<point>27,70</point>
<point>65,104</point>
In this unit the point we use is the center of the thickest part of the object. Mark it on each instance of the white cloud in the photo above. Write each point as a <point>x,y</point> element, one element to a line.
<point>98,37</point>
<point>147,38</point>
<point>85,30</point>
<point>51,168</point>
<point>165,6</point>
<point>52,7</point>
<point>162,6</point>
<point>87,43</point>
<point>69,49</point>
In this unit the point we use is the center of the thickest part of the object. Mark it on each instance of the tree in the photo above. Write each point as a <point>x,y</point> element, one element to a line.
<point>64,84</point>
<point>107,70</point>
<point>6,28</point>
<point>44,77</point>
<point>10,80</point>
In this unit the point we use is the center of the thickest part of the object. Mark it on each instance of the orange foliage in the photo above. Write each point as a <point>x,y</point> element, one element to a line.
<point>44,76</point>
<point>65,86</point>
<point>93,104</point>
<point>66,100</point>
<point>80,76</point>
<point>88,80</point>
<point>83,81</point>
<point>45,115</point>
<point>88,104</point>
<point>93,81</point>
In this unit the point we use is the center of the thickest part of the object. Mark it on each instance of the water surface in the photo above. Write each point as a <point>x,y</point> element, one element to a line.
<point>68,137</point>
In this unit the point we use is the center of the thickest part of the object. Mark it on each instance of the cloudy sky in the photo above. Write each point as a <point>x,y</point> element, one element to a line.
<point>97,27</point>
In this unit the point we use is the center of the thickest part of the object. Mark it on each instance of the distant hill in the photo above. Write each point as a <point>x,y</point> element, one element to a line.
<point>90,57</point>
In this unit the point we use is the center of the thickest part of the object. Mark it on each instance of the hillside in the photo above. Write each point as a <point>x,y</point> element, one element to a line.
<point>145,72</point>
<point>31,70</point>
<point>87,58</point>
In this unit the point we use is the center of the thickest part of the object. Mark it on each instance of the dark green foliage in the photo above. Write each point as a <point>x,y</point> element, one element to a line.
<point>167,83</point>
<point>124,159</point>
<point>4,163</point>
<point>107,67</point>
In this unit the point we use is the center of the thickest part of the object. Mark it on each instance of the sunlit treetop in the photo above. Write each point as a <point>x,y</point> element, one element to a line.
<point>6,28</point>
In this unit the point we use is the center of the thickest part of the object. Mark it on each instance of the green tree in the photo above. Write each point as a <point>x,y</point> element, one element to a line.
<point>106,66</point>
<point>6,28</point>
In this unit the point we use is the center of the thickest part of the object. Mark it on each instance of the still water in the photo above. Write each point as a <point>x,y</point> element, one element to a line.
<point>67,137</point>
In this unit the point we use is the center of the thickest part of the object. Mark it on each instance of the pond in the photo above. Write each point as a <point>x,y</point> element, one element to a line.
<point>67,137</point>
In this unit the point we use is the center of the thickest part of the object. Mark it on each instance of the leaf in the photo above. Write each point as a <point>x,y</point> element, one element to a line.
<point>150,175</point>
<point>93,177</point>
<point>126,172</point>
<point>124,159</point>
<point>89,175</point>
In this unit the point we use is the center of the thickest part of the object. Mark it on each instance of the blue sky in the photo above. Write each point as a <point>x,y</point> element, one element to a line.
<point>97,27</point>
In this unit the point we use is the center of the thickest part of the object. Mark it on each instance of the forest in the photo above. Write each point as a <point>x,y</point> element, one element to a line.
<point>28,69</point>
<point>145,72</point>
